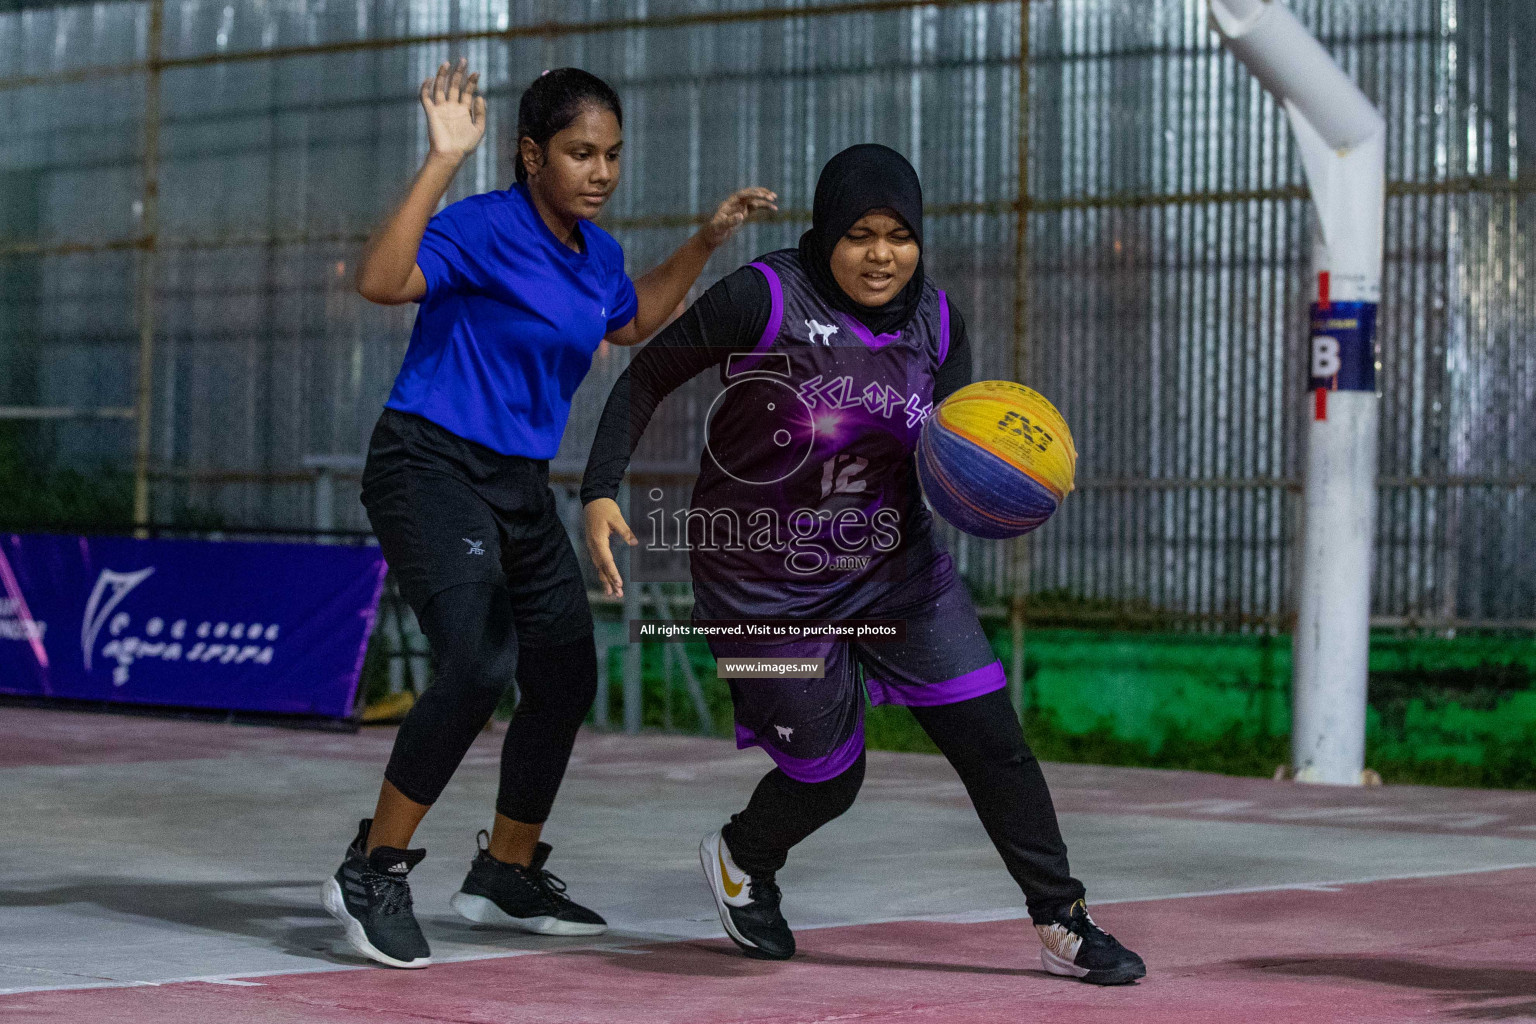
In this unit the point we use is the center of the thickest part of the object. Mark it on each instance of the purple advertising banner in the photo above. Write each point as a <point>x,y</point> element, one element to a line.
<point>245,627</point>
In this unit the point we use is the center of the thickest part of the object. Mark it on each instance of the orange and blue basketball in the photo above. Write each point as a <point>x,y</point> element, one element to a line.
<point>996,459</point>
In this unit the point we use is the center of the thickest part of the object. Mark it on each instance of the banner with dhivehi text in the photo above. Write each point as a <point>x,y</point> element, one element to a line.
<point>273,628</point>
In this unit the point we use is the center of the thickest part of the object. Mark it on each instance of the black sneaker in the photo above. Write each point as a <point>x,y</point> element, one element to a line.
<point>1076,947</point>
<point>529,897</point>
<point>370,896</point>
<point>748,904</point>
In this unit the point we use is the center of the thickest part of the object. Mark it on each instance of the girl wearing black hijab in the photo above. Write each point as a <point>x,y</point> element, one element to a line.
<point>807,508</point>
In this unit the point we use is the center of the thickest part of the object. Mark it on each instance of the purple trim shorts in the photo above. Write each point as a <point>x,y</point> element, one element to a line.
<point>814,728</point>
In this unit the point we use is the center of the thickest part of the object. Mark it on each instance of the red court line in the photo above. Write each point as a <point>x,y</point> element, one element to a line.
<point>1454,948</point>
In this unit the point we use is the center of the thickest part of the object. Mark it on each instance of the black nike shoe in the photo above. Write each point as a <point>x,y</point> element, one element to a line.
<point>1075,947</point>
<point>529,897</point>
<point>369,895</point>
<point>748,904</point>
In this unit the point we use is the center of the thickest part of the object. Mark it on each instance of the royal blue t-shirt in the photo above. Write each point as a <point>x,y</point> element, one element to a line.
<point>508,325</point>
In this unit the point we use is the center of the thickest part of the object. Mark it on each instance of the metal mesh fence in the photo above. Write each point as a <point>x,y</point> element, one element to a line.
<point>191,181</point>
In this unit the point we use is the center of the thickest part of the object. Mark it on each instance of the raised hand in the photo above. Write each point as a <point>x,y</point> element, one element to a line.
<point>737,209</point>
<point>455,115</point>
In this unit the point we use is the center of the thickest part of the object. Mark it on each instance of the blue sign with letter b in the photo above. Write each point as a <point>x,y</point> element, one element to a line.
<point>1341,354</point>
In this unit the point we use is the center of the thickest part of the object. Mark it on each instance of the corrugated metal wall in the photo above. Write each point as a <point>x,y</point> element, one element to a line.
<point>1169,247</point>
<point>1166,248</point>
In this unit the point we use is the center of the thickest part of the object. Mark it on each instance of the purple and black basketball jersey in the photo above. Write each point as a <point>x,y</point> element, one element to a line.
<point>807,505</point>
<point>807,498</point>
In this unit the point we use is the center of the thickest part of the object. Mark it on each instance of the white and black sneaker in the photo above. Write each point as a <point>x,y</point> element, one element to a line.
<point>529,898</point>
<point>369,895</point>
<point>748,904</point>
<point>1075,947</point>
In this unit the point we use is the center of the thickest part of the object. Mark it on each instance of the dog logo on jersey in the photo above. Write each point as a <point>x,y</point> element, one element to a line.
<point>476,547</point>
<point>820,332</point>
<point>785,732</point>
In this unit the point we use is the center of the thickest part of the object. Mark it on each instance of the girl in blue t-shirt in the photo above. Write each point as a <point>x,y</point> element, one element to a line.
<point>517,290</point>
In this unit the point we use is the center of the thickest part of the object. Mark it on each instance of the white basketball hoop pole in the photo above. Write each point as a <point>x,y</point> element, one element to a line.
<point>1341,138</point>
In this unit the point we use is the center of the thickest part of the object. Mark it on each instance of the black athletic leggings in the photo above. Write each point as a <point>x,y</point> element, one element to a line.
<point>476,656</point>
<point>981,737</point>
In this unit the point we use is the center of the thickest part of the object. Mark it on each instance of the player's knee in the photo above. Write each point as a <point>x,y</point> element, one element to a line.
<point>580,657</point>
<point>558,683</point>
<point>484,668</point>
<point>474,644</point>
<point>483,661</point>
<point>980,733</point>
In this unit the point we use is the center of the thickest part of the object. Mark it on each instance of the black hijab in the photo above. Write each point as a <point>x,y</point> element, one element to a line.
<point>855,181</point>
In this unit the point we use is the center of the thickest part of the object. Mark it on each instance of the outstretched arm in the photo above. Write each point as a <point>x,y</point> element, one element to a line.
<point>663,289</point>
<point>728,318</point>
<point>387,272</point>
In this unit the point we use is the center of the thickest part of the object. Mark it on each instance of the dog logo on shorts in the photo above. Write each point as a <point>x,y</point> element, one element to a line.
<point>476,547</point>
<point>785,732</point>
<point>820,332</point>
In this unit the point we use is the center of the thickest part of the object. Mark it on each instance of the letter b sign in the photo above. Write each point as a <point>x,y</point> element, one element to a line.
<point>1341,354</point>
<point>1325,356</point>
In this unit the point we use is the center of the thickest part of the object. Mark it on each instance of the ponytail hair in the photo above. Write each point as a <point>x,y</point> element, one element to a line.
<point>554,100</point>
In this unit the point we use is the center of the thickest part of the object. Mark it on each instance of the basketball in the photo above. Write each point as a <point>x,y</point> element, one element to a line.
<point>996,459</point>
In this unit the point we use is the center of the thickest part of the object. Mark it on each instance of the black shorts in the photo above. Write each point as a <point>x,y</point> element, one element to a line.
<point>814,728</point>
<point>448,511</point>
